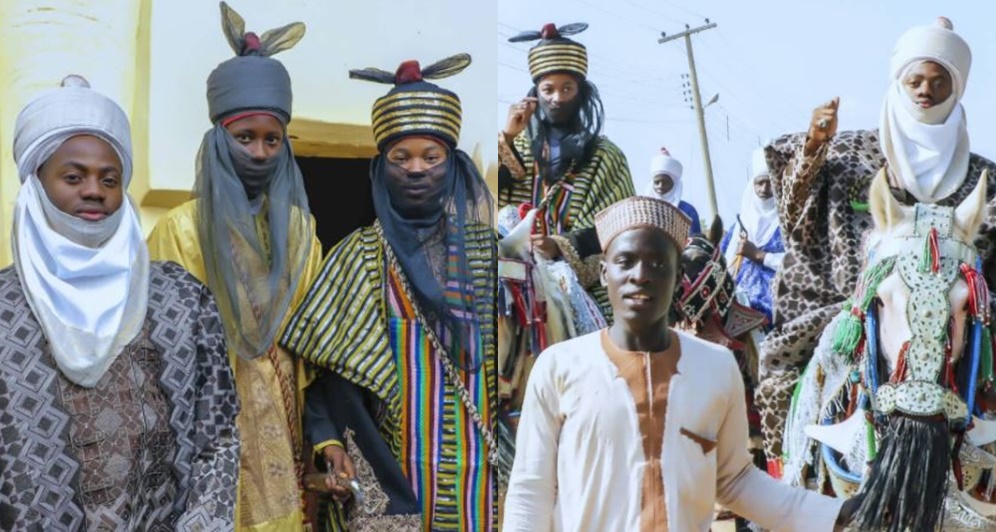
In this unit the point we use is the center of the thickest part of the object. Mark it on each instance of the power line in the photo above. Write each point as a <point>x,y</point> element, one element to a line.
<point>738,67</point>
<point>743,123</point>
<point>645,121</point>
<point>735,97</point>
<point>697,99</point>
<point>619,16</point>
<point>513,67</point>
<point>683,8</point>
<point>654,12</point>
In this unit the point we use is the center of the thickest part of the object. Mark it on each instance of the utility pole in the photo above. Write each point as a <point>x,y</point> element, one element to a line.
<point>687,34</point>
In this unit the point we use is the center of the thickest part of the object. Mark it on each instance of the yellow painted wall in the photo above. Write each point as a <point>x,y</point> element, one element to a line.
<point>42,43</point>
<point>153,58</point>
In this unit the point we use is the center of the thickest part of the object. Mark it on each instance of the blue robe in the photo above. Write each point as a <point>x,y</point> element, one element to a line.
<point>753,279</point>
<point>693,214</point>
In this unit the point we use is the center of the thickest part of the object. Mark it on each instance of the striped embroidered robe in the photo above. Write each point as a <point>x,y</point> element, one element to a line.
<point>572,203</point>
<point>384,377</point>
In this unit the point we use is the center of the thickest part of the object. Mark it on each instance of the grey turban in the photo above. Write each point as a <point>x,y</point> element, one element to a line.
<point>249,83</point>
<point>69,111</point>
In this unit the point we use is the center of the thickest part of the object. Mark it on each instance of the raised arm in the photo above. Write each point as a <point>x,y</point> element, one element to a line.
<point>795,182</point>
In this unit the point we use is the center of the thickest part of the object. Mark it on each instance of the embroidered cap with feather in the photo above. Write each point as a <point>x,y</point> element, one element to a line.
<point>414,106</point>
<point>555,52</point>
<point>252,79</point>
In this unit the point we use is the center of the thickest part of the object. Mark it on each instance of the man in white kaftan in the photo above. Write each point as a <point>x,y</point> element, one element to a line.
<point>638,427</point>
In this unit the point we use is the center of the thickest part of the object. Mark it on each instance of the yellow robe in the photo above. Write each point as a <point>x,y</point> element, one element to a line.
<point>269,494</point>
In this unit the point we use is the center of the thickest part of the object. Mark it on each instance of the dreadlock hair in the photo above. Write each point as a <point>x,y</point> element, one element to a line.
<point>578,146</point>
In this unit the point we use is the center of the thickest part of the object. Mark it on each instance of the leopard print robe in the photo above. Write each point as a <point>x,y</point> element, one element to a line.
<point>822,208</point>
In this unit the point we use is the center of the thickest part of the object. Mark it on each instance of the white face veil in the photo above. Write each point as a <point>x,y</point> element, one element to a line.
<point>927,149</point>
<point>86,282</point>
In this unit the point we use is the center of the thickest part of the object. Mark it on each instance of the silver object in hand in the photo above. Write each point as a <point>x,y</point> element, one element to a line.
<point>357,490</point>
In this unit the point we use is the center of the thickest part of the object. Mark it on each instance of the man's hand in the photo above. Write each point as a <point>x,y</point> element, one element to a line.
<point>749,251</point>
<point>518,117</point>
<point>340,472</point>
<point>823,126</point>
<point>546,246</point>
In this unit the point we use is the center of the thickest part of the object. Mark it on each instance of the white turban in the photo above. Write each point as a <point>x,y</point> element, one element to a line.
<point>759,217</point>
<point>663,163</point>
<point>56,115</point>
<point>927,149</point>
<point>938,43</point>
<point>86,282</point>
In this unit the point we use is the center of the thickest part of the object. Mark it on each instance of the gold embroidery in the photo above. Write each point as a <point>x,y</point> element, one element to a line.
<point>506,156</point>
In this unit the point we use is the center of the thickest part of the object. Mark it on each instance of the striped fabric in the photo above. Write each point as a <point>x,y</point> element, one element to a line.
<point>561,55</point>
<point>602,182</point>
<point>404,112</point>
<point>641,211</point>
<point>374,346</point>
<point>442,452</point>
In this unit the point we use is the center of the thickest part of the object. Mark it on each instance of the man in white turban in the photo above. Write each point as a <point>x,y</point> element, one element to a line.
<point>665,184</point>
<point>753,244</point>
<point>118,404</point>
<point>821,180</point>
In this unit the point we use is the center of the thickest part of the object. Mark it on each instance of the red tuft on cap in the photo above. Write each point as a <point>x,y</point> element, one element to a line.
<point>251,43</point>
<point>408,72</point>
<point>549,31</point>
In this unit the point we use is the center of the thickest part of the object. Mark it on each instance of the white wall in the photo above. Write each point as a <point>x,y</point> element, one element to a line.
<point>187,43</point>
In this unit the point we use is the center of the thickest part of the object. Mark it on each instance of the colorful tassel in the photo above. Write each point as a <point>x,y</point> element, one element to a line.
<point>850,332</point>
<point>978,292</point>
<point>930,259</point>
<point>899,373</point>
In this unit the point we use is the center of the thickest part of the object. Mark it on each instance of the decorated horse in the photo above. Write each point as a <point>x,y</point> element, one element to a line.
<point>705,305</point>
<point>893,407</point>
<point>540,303</point>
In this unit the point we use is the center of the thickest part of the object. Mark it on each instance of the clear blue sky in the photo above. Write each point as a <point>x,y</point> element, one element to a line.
<point>771,61</point>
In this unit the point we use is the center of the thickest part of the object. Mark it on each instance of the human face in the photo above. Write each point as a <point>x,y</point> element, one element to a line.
<point>558,96</point>
<point>762,187</point>
<point>261,134</point>
<point>84,178</point>
<point>416,174</point>
<point>928,84</point>
<point>663,184</point>
<point>640,270</point>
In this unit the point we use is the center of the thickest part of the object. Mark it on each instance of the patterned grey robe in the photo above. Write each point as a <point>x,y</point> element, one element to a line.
<point>822,208</point>
<point>159,427</point>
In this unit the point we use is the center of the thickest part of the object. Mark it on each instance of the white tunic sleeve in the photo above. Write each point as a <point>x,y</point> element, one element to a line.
<point>532,490</point>
<point>774,260</point>
<point>752,493</point>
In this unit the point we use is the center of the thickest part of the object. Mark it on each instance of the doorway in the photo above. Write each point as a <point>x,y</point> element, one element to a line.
<point>339,195</point>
